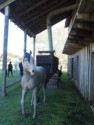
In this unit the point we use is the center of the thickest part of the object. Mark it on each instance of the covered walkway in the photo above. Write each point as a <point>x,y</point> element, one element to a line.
<point>64,106</point>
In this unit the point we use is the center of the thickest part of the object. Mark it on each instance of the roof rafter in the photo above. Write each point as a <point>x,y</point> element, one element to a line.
<point>84,26</point>
<point>30,9</point>
<point>43,12</point>
<point>6,3</point>
<point>85,17</point>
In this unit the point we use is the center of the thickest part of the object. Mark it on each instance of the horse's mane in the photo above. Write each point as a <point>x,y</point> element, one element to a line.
<point>31,60</point>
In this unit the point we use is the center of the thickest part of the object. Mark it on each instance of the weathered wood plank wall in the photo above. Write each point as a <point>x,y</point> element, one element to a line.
<point>81,70</point>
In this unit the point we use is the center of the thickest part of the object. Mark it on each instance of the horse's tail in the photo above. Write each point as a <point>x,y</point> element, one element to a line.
<point>47,75</point>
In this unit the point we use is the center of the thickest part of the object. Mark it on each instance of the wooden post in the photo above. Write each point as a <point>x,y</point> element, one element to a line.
<point>50,16</point>
<point>25,41</point>
<point>50,37</point>
<point>34,42</point>
<point>4,63</point>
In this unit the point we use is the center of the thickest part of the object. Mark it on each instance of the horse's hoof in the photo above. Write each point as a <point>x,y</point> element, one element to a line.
<point>44,101</point>
<point>31,104</point>
<point>34,117</point>
<point>23,113</point>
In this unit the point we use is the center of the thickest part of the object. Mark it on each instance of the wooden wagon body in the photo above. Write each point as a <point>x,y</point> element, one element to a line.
<point>49,62</point>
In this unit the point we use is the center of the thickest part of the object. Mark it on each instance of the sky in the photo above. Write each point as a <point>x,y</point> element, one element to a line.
<point>16,37</point>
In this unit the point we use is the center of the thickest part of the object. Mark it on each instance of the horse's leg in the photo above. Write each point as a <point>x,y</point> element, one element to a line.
<point>24,93</point>
<point>34,101</point>
<point>44,91</point>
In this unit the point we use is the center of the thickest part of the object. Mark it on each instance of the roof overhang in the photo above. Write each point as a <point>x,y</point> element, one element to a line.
<point>5,3</point>
<point>31,15</point>
<point>81,28</point>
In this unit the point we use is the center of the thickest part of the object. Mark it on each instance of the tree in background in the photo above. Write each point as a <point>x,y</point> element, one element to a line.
<point>59,38</point>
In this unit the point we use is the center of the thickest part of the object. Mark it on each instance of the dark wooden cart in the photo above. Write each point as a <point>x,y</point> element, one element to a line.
<point>49,62</point>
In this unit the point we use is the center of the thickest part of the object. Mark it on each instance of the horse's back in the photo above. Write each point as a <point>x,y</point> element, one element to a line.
<point>40,69</point>
<point>41,72</point>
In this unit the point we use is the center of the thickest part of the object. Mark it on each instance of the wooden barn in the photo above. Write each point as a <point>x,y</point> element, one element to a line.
<point>80,48</point>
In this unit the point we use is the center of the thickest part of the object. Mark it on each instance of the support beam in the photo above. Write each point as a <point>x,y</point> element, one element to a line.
<point>50,37</point>
<point>84,26</point>
<point>69,52</point>
<point>74,45</point>
<point>25,42</point>
<point>34,42</point>
<point>80,40</point>
<point>76,38</point>
<point>90,40</point>
<point>50,16</point>
<point>5,46</point>
<point>85,17</point>
<point>6,3</point>
<point>77,42</point>
<point>81,34</point>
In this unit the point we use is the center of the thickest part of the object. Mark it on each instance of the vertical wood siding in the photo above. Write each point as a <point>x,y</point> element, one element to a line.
<point>82,71</point>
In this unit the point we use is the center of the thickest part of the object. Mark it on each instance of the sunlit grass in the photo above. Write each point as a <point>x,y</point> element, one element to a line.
<point>64,106</point>
<point>11,79</point>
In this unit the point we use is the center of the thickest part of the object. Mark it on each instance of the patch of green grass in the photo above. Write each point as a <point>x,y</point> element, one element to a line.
<point>11,79</point>
<point>63,106</point>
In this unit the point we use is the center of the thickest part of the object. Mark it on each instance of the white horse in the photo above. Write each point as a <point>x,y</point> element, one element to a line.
<point>33,75</point>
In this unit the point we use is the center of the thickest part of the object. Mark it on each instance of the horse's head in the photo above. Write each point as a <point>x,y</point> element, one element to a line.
<point>28,67</point>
